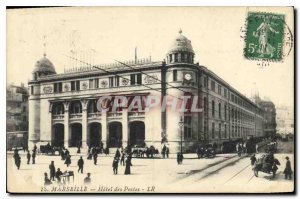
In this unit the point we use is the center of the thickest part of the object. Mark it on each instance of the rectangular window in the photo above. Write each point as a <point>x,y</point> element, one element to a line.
<point>111,81</point>
<point>225,92</point>
<point>212,85</point>
<point>58,87</point>
<point>139,79</point>
<point>225,131</point>
<point>205,106</point>
<point>187,127</point>
<point>176,57</point>
<point>117,81</point>
<point>205,81</point>
<point>77,85</point>
<point>31,90</point>
<point>174,75</point>
<point>132,79</point>
<point>225,112</point>
<point>96,85</point>
<point>213,108</point>
<point>213,131</point>
<point>91,83</point>
<point>220,110</point>
<point>73,85</point>
<point>220,136</point>
<point>219,89</point>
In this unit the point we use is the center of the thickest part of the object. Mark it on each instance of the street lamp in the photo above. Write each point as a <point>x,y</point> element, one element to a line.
<point>181,123</point>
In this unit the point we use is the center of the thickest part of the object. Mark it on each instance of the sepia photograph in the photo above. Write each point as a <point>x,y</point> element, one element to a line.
<point>150,100</point>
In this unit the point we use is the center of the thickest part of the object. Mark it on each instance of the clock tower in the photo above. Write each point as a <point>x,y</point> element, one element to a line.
<point>181,83</point>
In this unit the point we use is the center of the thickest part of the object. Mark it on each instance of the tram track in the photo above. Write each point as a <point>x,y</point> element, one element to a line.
<point>212,168</point>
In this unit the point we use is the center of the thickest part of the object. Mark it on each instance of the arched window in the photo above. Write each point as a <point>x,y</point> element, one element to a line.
<point>75,107</point>
<point>58,108</point>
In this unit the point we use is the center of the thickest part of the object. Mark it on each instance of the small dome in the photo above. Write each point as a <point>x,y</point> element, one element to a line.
<point>181,44</point>
<point>44,66</point>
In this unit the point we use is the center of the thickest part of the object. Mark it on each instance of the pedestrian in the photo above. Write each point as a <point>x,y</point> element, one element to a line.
<point>33,156</point>
<point>179,158</point>
<point>87,179</point>
<point>288,169</point>
<point>67,153</point>
<point>34,148</point>
<point>127,165</point>
<point>52,170</point>
<point>62,154</point>
<point>47,181</point>
<point>28,157</point>
<point>253,161</point>
<point>115,165</point>
<point>167,152</point>
<point>58,174</point>
<point>118,154</point>
<point>17,159</point>
<point>95,156</point>
<point>78,149</point>
<point>122,161</point>
<point>163,151</point>
<point>68,160</point>
<point>80,164</point>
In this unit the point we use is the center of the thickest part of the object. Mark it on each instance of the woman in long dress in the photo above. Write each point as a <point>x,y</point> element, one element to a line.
<point>127,166</point>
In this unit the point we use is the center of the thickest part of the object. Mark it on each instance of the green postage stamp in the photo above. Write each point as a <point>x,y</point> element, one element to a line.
<point>264,36</point>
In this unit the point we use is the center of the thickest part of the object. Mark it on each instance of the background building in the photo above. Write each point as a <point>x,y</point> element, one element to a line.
<point>285,119</point>
<point>16,115</point>
<point>63,106</point>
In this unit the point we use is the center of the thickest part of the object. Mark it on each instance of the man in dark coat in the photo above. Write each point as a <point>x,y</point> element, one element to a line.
<point>167,152</point>
<point>33,156</point>
<point>95,156</point>
<point>288,169</point>
<point>58,174</point>
<point>52,170</point>
<point>163,151</point>
<point>28,157</point>
<point>115,165</point>
<point>80,164</point>
<point>35,148</point>
<point>17,159</point>
<point>118,154</point>
<point>68,160</point>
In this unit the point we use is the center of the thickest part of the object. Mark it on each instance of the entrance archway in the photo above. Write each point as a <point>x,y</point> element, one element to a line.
<point>94,134</point>
<point>58,135</point>
<point>137,133</point>
<point>76,135</point>
<point>115,134</point>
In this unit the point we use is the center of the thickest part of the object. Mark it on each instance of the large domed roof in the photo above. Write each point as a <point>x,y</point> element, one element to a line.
<point>44,65</point>
<point>181,44</point>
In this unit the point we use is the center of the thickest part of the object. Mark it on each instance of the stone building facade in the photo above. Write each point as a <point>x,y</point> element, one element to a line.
<point>63,106</point>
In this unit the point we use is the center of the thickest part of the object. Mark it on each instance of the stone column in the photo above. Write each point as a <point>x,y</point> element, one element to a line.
<point>125,127</point>
<point>84,128</point>
<point>67,135</point>
<point>66,130</point>
<point>104,131</point>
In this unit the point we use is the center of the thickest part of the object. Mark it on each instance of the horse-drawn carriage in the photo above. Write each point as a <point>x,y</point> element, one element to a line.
<point>48,149</point>
<point>142,151</point>
<point>267,164</point>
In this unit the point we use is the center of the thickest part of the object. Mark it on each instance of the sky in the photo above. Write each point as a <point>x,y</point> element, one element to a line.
<point>114,33</point>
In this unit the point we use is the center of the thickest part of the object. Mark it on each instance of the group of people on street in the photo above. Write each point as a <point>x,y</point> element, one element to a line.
<point>120,157</point>
<point>269,164</point>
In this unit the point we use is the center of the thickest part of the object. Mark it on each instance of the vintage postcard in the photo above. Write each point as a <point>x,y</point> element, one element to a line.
<point>150,100</point>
